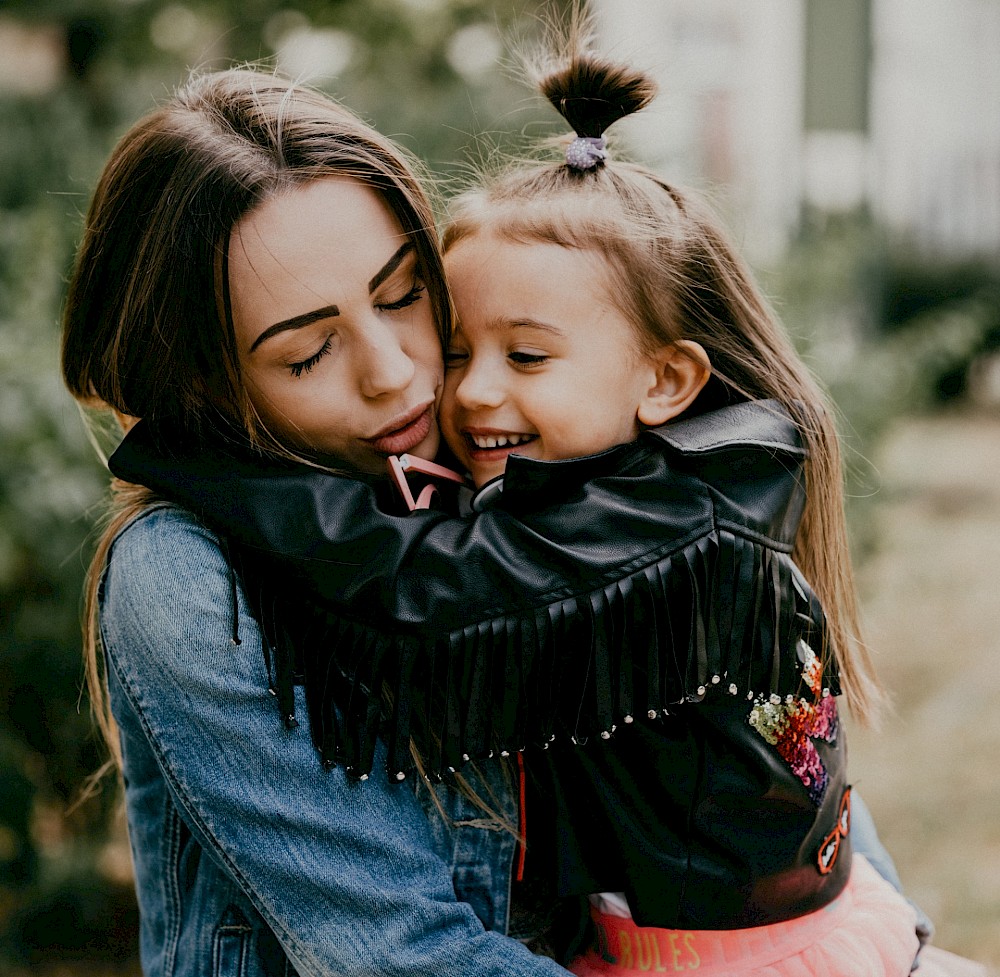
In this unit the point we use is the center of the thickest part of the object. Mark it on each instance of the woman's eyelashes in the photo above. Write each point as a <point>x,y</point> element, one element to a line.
<point>409,298</point>
<point>304,366</point>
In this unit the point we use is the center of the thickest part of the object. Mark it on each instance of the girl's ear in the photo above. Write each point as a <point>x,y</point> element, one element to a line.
<point>682,369</point>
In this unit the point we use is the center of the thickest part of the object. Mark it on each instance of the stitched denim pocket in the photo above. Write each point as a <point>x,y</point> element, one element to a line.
<point>231,945</point>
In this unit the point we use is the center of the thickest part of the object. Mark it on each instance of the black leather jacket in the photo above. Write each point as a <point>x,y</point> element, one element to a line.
<point>632,619</point>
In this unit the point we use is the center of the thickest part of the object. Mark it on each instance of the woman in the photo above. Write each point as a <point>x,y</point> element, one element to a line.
<point>250,857</point>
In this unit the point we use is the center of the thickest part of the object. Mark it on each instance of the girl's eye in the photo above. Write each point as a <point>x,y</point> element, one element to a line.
<point>304,366</point>
<point>520,358</point>
<point>454,357</point>
<point>408,299</point>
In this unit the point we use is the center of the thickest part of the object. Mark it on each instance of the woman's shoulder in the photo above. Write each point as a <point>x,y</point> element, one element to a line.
<point>166,564</point>
<point>167,550</point>
<point>161,533</point>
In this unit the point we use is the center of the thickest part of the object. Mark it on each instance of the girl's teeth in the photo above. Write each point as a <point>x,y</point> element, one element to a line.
<point>498,442</point>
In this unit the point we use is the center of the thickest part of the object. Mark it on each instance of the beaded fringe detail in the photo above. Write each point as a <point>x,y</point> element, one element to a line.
<point>724,615</point>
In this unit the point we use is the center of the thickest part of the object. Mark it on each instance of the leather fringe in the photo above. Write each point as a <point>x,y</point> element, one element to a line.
<point>721,616</point>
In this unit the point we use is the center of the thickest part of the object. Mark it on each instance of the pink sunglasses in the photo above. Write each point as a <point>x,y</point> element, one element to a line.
<point>399,465</point>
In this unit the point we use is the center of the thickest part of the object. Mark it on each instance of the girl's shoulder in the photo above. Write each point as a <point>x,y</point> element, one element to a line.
<point>762,425</point>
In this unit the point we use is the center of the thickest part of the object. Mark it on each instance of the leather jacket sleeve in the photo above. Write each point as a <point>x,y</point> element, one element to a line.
<point>427,571</point>
<point>665,561</point>
<point>560,528</point>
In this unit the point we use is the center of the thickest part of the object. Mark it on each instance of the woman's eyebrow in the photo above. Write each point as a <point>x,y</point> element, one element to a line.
<point>390,266</point>
<point>330,311</point>
<point>296,322</point>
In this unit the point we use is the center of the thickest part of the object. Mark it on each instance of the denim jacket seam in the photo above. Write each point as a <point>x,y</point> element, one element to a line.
<point>178,791</point>
<point>508,874</point>
<point>171,882</point>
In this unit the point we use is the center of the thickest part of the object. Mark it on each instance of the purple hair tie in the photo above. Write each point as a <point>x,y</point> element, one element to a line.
<point>586,152</point>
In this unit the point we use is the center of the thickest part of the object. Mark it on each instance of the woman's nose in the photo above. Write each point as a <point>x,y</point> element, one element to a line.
<point>386,366</point>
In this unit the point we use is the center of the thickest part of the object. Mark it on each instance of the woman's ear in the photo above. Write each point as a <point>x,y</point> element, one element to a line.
<point>682,369</point>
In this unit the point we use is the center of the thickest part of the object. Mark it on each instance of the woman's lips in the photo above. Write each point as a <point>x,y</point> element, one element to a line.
<point>405,433</point>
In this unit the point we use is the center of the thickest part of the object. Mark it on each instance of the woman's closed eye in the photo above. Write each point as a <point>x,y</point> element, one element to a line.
<point>455,357</point>
<point>408,299</point>
<point>304,366</point>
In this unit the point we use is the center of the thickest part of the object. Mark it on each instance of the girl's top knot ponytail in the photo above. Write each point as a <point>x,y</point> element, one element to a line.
<point>588,90</point>
<point>591,94</point>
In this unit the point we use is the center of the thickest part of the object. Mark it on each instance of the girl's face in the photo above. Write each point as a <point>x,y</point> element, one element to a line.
<point>542,363</point>
<point>337,338</point>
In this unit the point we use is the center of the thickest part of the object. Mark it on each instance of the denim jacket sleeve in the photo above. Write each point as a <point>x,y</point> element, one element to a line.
<point>344,874</point>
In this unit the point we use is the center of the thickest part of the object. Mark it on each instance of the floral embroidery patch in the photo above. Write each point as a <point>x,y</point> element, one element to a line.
<point>791,725</point>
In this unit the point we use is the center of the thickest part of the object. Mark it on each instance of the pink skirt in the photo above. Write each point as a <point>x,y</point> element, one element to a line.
<point>867,931</point>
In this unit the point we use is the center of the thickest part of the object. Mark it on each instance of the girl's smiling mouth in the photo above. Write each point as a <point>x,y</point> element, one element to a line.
<point>488,443</point>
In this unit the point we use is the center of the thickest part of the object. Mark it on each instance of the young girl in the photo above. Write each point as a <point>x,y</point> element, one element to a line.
<point>655,643</point>
<point>587,296</point>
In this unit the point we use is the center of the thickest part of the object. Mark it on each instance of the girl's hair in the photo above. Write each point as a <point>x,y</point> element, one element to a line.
<point>147,332</point>
<point>675,275</point>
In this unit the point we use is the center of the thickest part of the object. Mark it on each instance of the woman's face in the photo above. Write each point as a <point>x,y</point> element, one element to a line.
<point>337,337</point>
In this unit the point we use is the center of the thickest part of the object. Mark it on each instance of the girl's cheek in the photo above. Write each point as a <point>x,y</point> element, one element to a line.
<point>446,398</point>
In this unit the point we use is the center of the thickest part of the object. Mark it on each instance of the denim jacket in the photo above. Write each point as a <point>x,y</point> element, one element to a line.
<point>250,858</point>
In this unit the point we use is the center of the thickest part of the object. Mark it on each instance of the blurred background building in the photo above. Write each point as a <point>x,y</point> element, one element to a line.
<point>834,105</point>
<point>854,147</point>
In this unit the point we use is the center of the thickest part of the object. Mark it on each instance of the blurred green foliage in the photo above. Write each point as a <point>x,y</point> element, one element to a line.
<point>886,334</point>
<point>888,331</point>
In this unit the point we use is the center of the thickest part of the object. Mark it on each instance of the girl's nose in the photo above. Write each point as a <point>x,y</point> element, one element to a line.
<point>385,366</point>
<point>479,387</point>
